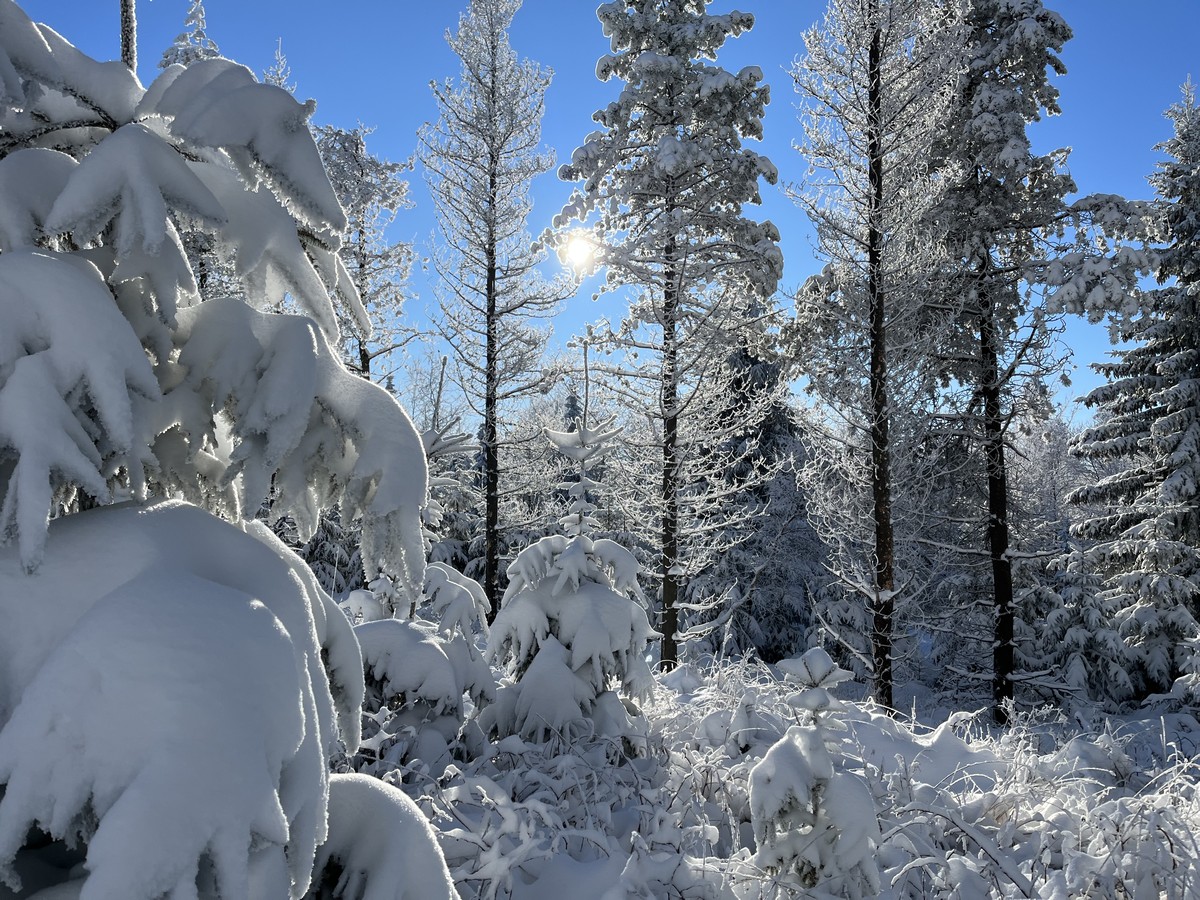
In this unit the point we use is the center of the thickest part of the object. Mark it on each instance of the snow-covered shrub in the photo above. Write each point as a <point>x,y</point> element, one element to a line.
<point>418,672</point>
<point>996,818</point>
<point>538,816</point>
<point>571,627</point>
<point>815,822</point>
<point>416,678</point>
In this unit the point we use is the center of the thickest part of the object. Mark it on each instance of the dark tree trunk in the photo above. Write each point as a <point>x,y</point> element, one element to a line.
<point>883,603</point>
<point>129,34</point>
<point>491,452</point>
<point>361,285</point>
<point>669,397</point>
<point>491,390</point>
<point>1003,659</point>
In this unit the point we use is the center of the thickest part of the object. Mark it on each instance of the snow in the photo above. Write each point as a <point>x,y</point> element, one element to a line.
<point>261,241</point>
<point>134,175</point>
<point>30,180</point>
<point>36,50</point>
<point>304,420</point>
<point>380,845</point>
<point>180,701</point>
<point>217,103</point>
<point>59,308</point>
<point>410,663</point>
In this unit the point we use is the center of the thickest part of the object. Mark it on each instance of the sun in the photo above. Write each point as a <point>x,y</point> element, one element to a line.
<point>580,252</point>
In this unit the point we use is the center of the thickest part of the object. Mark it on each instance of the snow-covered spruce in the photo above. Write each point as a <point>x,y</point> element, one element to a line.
<point>171,687</point>
<point>666,196</point>
<point>1146,520</point>
<point>101,319</point>
<point>571,627</point>
<point>813,820</point>
<point>183,705</point>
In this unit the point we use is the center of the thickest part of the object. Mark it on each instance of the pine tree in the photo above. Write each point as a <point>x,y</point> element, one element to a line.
<point>480,158</point>
<point>666,178</point>
<point>1148,534</point>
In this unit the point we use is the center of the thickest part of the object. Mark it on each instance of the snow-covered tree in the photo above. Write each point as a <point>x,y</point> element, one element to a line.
<point>746,592</point>
<point>480,158</point>
<point>875,83</point>
<point>1002,202</point>
<point>419,668</point>
<point>665,180</point>
<point>1147,531</point>
<point>193,42</point>
<point>372,191</point>
<point>216,684</point>
<point>571,625</point>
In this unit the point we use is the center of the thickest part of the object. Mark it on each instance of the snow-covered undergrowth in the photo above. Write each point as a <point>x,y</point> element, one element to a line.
<point>759,786</point>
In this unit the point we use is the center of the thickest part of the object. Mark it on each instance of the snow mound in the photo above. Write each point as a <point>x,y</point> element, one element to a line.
<point>178,703</point>
<point>380,847</point>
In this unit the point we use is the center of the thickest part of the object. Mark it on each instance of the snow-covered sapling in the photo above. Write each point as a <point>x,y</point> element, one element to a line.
<point>571,625</point>
<point>418,672</point>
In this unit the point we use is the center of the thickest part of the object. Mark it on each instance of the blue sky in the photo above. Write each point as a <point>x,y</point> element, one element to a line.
<point>370,61</point>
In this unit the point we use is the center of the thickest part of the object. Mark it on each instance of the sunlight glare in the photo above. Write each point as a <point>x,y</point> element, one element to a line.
<point>580,252</point>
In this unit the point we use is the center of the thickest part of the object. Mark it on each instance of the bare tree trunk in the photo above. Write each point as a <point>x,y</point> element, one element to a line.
<point>1003,654</point>
<point>883,603</point>
<point>669,398</point>
<point>129,34</point>
<point>491,452</point>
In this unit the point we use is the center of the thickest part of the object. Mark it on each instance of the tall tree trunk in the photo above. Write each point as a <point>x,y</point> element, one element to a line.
<point>129,34</point>
<point>669,398</point>
<point>883,603</point>
<point>491,454</point>
<point>1003,659</point>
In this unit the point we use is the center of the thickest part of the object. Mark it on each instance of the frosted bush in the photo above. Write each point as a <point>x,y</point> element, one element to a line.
<point>813,818</point>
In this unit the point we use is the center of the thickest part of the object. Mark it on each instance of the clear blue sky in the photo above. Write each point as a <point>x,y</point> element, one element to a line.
<point>372,60</point>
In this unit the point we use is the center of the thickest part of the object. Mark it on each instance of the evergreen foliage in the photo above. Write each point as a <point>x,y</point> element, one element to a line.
<point>1147,536</point>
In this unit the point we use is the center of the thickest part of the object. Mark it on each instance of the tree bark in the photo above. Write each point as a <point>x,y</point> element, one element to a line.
<point>129,34</point>
<point>882,610</point>
<point>669,397</point>
<point>1003,654</point>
